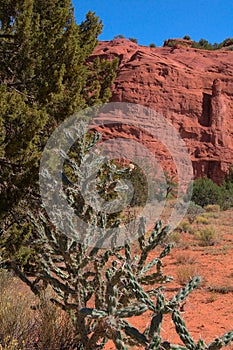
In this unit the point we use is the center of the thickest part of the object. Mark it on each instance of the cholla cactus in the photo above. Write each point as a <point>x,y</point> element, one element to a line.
<point>101,289</point>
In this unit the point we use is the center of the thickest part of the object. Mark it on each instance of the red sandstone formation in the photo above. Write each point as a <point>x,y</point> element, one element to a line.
<point>178,42</point>
<point>190,87</point>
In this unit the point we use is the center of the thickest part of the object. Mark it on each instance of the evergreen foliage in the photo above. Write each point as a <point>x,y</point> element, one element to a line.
<point>205,192</point>
<point>119,36</point>
<point>206,45</point>
<point>45,77</point>
<point>134,40</point>
<point>203,44</point>
<point>187,37</point>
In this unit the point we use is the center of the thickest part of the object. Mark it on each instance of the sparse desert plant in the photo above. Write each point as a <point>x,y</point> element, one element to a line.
<point>222,289</point>
<point>193,211</point>
<point>171,43</point>
<point>186,273</point>
<point>212,208</point>
<point>134,40</point>
<point>27,322</point>
<point>54,329</point>
<point>185,258</point>
<point>152,45</point>
<point>202,220</point>
<point>211,215</point>
<point>207,236</point>
<point>119,36</point>
<point>16,321</point>
<point>227,42</point>
<point>184,226</point>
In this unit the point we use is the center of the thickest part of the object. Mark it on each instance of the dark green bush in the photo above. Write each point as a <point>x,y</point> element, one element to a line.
<point>226,197</point>
<point>204,44</point>
<point>227,42</point>
<point>119,36</point>
<point>205,192</point>
<point>134,40</point>
<point>187,37</point>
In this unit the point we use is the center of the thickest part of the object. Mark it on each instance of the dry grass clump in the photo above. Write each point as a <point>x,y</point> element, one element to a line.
<point>184,226</point>
<point>202,220</point>
<point>207,236</point>
<point>212,208</point>
<point>222,289</point>
<point>185,273</point>
<point>185,258</point>
<point>27,322</point>
<point>16,316</point>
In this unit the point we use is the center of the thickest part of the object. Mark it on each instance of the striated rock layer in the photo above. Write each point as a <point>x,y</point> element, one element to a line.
<point>191,88</point>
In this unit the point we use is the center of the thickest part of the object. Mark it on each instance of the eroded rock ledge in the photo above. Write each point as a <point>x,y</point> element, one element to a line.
<point>192,88</point>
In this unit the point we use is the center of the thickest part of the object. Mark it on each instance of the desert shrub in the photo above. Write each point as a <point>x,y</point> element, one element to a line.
<point>27,322</point>
<point>212,208</point>
<point>152,45</point>
<point>134,40</point>
<point>222,289</point>
<point>226,196</point>
<point>193,211</point>
<point>207,236</point>
<point>185,258</point>
<point>98,289</point>
<point>16,321</point>
<point>202,220</point>
<point>227,42</point>
<point>187,37</point>
<point>184,226</point>
<point>173,238</point>
<point>119,36</point>
<point>205,192</point>
<point>211,214</point>
<point>54,329</point>
<point>205,45</point>
<point>171,43</point>
<point>185,273</point>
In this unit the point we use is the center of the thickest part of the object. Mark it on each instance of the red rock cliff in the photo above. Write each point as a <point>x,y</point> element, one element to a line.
<point>192,88</point>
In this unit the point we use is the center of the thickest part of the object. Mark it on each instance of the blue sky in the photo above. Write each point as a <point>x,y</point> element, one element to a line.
<point>153,21</point>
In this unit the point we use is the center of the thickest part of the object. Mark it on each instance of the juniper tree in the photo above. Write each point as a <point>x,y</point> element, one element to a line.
<point>44,78</point>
